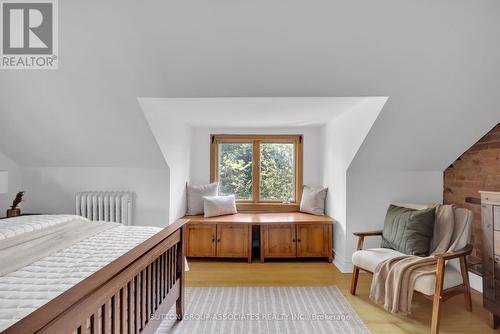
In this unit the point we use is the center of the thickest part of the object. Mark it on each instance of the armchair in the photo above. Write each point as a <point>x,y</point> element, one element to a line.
<point>451,277</point>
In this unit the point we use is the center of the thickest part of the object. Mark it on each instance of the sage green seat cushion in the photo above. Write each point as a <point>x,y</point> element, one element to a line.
<point>408,231</point>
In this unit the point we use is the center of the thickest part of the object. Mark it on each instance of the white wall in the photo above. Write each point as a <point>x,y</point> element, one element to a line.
<point>342,138</point>
<point>313,150</point>
<point>173,136</point>
<point>51,190</point>
<point>15,184</point>
<point>370,193</point>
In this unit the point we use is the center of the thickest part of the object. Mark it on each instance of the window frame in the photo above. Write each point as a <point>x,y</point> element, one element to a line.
<point>256,204</point>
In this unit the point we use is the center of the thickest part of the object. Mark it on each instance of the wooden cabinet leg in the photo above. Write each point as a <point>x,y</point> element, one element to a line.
<point>330,243</point>
<point>494,321</point>
<point>261,244</point>
<point>250,243</point>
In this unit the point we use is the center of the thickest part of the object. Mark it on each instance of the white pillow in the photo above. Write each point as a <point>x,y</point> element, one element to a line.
<point>219,205</point>
<point>313,200</point>
<point>195,197</point>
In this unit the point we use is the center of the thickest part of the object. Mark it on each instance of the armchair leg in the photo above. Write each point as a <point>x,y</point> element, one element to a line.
<point>436,305</point>
<point>465,279</point>
<point>354,280</point>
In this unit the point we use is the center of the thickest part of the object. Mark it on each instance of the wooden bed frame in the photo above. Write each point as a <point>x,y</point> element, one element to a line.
<point>132,294</point>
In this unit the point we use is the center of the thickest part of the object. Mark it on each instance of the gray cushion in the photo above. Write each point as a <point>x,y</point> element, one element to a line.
<point>195,196</point>
<point>408,231</point>
<point>313,200</point>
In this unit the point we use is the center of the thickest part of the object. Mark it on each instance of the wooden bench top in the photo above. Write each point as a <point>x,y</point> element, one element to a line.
<point>257,218</point>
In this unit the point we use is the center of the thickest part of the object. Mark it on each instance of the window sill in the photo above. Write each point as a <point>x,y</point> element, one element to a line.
<point>268,207</point>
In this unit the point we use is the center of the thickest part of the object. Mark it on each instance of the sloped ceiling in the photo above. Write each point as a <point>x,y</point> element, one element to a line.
<point>256,112</point>
<point>437,60</point>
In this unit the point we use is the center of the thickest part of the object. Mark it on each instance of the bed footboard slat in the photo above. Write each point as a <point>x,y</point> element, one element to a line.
<point>148,292</point>
<point>131,307</point>
<point>123,310</point>
<point>105,318</point>
<point>180,273</point>
<point>94,321</point>
<point>143,299</point>
<point>158,283</point>
<point>115,314</point>
<point>137,298</point>
<point>161,276</point>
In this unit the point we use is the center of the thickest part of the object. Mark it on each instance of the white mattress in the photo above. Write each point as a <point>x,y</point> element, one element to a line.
<point>24,290</point>
<point>11,227</point>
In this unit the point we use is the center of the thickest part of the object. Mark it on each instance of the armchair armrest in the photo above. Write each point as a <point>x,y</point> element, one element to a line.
<point>368,233</point>
<point>361,237</point>
<point>467,250</point>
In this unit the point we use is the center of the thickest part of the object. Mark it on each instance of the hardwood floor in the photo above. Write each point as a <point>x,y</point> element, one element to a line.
<point>455,318</point>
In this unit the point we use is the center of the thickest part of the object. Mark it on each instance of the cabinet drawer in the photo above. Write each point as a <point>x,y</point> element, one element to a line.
<point>497,291</point>
<point>496,217</point>
<point>497,267</point>
<point>487,251</point>
<point>496,242</point>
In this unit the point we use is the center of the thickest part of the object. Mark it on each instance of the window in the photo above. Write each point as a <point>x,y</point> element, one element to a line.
<point>263,171</point>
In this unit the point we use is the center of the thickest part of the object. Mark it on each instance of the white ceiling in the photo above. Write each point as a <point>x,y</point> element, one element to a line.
<point>437,60</point>
<point>261,112</point>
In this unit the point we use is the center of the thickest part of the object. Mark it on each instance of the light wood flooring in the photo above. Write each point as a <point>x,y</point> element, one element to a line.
<point>455,318</point>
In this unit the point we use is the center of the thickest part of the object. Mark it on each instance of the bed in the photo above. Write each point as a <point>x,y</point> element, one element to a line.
<point>88,277</point>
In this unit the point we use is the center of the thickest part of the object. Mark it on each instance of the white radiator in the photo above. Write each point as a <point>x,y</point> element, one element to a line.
<point>110,206</point>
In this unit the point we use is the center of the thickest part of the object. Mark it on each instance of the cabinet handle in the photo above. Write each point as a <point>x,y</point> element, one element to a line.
<point>298,240</point>
<point>293,240</point>
<point>213,239</point>
<point>218,240</point>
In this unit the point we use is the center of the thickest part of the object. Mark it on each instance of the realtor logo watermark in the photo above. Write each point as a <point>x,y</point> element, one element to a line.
<point>29,35</point>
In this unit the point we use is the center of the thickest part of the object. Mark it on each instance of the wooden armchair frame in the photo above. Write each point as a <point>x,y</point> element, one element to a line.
<point>440,294</point>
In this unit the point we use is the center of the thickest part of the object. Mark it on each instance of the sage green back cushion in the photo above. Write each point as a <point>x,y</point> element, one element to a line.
<point>408,231</point>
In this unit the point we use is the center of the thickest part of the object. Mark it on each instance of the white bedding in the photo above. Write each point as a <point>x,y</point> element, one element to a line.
<point>24,290</point>
<point>16,226</point>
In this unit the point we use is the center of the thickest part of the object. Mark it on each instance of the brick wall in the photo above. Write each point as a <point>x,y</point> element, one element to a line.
<point>477,169</point>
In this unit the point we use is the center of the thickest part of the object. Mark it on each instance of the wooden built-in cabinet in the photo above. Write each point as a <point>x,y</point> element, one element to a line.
<point>234,241</point>
<point>282,235</point>
<point>200,240</point>
<point>313,240</point>
<point>490,237</point>
<point>218,240</point>
<point>296,240</point>
<point>278,241</point>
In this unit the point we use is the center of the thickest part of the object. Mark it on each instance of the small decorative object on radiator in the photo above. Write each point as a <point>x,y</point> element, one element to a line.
<point>14,211</point>
<point>110,206</point>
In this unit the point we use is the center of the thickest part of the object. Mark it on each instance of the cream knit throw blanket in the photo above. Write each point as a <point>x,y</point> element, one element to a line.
<point>394,279</point>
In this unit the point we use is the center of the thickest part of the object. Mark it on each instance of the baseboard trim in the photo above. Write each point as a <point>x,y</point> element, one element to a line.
<point>345,267</point>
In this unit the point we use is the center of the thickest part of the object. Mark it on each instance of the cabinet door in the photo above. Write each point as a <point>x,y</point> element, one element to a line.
<point>496,217</point>
<point>279,241</point>
<point>233,240</point>
<point>200,240</point>
<point>312,240</point>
